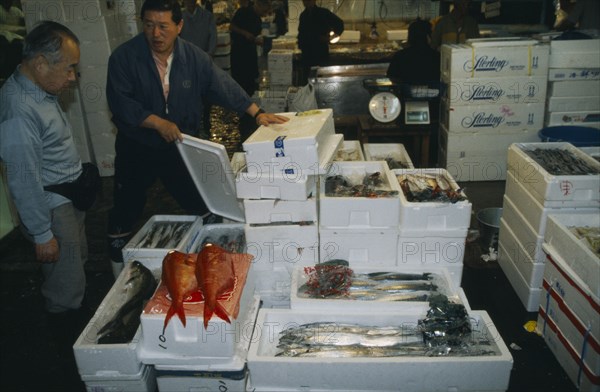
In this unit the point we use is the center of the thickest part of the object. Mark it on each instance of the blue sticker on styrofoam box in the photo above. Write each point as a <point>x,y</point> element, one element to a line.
<point>289,171</point>
<point>279,148</point>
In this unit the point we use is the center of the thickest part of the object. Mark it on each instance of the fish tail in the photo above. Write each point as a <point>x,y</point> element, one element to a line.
<point>222,313</point>
<point>171,312</point>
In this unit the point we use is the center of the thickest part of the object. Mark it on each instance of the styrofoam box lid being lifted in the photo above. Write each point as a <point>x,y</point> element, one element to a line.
<point>277,373</point>
<point>213,175</point>
<point>306,144</point>
<point>433,214</point>
<point>573,190</point>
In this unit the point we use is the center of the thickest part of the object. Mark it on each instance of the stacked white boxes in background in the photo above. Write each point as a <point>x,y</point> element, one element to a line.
<point>569,311</point>
<point>280,68</point>
<point>495,91</point>
<point>574,83</point>
<point>112,367</point>
<point>532,194</point>
<point>433,233</point>
<point>222,56</point>
<point>279,189</point>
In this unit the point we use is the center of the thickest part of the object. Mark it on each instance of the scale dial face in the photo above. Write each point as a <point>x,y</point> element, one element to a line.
<point>385,107</point>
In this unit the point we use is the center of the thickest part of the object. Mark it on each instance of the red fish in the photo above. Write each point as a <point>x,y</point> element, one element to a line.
<point>179,275</point>
<point>215,276</point>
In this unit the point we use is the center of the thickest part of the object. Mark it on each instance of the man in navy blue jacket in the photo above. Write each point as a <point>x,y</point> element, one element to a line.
<point>155,90</point>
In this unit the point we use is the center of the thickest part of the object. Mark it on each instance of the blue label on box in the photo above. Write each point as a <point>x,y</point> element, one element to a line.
<point>278,144</point>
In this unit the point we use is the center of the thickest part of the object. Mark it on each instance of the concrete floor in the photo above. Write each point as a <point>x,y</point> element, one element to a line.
<point>33,357</point>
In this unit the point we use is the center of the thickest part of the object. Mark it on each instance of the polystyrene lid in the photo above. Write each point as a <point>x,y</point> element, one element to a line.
<point>211,171</point>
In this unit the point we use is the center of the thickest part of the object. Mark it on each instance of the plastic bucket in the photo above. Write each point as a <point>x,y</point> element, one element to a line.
<point>489,226</point>
<point>577,136</point>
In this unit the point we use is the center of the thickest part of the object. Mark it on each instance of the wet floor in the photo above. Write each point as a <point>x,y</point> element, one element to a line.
<point>36,352</point>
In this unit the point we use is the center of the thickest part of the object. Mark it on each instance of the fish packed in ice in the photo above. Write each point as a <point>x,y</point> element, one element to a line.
<point>445,331</point>
<point>561,162</point>
<point>590,236</point>
<point>164,235</point>
<point>429,187</point>
<point>371,185</point>
<point>335,280</point>
<point>138,288</point>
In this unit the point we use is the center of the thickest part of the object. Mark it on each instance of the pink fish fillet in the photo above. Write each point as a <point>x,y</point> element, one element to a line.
<point>179,275</point>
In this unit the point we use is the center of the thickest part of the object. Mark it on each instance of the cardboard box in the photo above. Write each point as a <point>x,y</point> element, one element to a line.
<point>360,212</point>
<point>359,246</point>
<point>304,145</point>
<point>492,118</point>
<point>271,373</point>
<point>574,251</point>
<point>583,53</point>
<point>574,88</point>
<point>556,74</point>
<point>464,61</point>
<point>569,104</point>
<point>487,91</point>
<point>393,153</point>
<point>573,191</point>
<point>433,215</point>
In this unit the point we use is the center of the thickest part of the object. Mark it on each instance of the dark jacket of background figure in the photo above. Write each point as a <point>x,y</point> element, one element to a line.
<point>244,59</point>
<point>313,34</point>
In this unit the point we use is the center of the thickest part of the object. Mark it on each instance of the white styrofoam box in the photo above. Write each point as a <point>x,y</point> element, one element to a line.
<point>109,360</point>
<point>592,151</point>
<point>305,144</point>
<point>397,35</point>
<point>479,156</point>
<point>360,212</point>
<point>350,151</point>
<point>571,288</point>
<point>271,373</point>
<point>574,53</point>
<point>568,356</point>
<point>530,240</point>
<point>529,296</point>
<point>433,215</point>
<point>512,91</point>
<point>574,88</point>
<point>428,247</point>
<point>556,74</point>
<point>103,145</point>
<point>533,212</point>
<point>350,36</point>
<point>144,381</point>
<point>360,247</point>
<point>267,211</point>
<point>569,104</point>
<point>510,248</point>
<point>253,184</point>
<point>388,151</point>
<point>583,335</point>
<point>281,77</point>
<point>492,117</point>
<point>92,86</point>
<point>574,191</point>
<point>152,258</point>
<point>230,236</point>
<point>465,61</point>
<point>584,262</point>
<point>588,118</point>
<point>199,380</point>
<point>219,346</point>
<point>284,244</point>
<point>238,161</point>
<point>280,59</point>
<point>441,278</point>
<point>273,287</point>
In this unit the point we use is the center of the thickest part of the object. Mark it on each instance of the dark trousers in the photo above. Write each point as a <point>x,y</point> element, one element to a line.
<point>136,168</point>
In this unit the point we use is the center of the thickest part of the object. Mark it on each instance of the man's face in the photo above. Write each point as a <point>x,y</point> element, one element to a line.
<point>161,31</point>
<point>53,78</point>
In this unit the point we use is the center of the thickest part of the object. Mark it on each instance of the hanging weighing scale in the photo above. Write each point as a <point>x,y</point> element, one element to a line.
<point>384,105</point>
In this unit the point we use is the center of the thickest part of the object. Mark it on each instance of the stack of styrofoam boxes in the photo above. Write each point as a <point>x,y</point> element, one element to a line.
<point>531,195</point>
<point>569,312</point>
<point>269,372</point>
<point>280,66</point>
<point>361,230</point>
<point>114,366</point>
<point>494,96</point>
<point>433,234</point>
<point>393,153</point>
<point>350,151</point>
<point>279,189</point>
<point>222,55</point>
<point>574,83</point>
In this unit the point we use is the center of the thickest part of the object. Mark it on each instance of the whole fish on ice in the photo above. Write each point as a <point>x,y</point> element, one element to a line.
<point>179,275</point>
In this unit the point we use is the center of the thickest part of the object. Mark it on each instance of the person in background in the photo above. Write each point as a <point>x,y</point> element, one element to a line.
<point>10,14</point>
<point>455,27</point>
<point>246,26</point>
<point>280,18</point>
<point>584,14</point>
<point>419,62</point>
<point>155,89</point>
<point>200,28</point>
<point>207,5</point>
<point>38,150</point>
<point>314,29</point>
